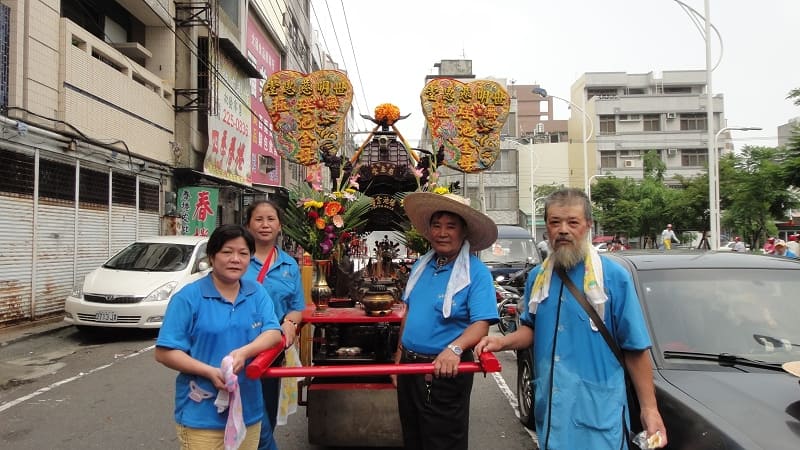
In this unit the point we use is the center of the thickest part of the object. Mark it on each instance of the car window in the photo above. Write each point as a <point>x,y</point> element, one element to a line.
<point>744,312</point>
<point>201,257</point>
<point>151,256</point>
<point>510,251</point>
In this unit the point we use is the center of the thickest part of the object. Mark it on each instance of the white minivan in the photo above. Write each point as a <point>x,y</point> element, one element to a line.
<point>132,288</point>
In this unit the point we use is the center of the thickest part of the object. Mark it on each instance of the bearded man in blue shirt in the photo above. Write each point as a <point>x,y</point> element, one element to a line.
<point>580,396</point>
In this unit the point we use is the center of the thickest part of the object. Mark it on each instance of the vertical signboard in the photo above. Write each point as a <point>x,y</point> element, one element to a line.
<point>197,207</point>
<point>228,153</point>
<point>266,162</point>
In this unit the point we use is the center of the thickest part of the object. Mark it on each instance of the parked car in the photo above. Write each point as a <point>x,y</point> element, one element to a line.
<point>132,288</point>
<point>512,254</point>
<point>722,325</point>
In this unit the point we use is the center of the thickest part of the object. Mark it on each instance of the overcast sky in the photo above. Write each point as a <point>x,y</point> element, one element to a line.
<point>553,42</point>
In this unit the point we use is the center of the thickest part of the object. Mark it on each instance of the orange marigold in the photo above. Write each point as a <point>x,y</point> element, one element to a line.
<point>319,223</point>
<point>387,113</point>
<point>332,208</point>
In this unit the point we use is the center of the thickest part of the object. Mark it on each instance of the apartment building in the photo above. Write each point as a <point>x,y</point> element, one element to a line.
<point>111,112</point>
<point>634,113</point>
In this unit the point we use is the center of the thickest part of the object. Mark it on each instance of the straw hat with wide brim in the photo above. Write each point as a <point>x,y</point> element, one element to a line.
<point>793,367</point>
<point>420,206</point>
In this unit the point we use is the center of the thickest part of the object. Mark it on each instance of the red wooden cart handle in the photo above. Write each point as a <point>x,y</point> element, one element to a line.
<point>265,359</point>
<point>260,368</point>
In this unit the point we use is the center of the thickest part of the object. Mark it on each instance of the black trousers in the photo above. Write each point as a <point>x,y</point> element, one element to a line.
<point>434,412</point>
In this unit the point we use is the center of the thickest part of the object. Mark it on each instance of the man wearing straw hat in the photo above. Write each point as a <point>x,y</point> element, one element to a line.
<point>451,303</point>
<point>580,399</point>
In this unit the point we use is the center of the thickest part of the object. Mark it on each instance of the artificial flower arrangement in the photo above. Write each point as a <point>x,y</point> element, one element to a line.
<point>324,222</point>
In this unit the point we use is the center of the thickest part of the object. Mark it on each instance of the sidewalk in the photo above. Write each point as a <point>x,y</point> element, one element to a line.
<point>15,333</point>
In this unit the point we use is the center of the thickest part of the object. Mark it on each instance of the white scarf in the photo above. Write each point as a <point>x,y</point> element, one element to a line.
<point>593,284</point>
<point>459,279</point>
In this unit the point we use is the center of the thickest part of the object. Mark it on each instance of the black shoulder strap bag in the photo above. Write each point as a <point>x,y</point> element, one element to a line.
<point>633,401</point>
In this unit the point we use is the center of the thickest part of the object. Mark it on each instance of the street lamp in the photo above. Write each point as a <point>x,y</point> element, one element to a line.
<point>713,199</point>
<point>533,215</point>
<point>543,93</point>
<point>589,186</point>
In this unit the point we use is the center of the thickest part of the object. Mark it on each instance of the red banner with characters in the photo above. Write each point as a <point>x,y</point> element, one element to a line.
<point>265,161</point>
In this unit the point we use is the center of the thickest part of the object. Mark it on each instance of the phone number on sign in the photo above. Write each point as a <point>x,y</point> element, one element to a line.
<point>235,122</point>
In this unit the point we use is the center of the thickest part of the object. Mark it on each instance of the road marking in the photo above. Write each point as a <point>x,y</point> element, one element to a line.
<point>41,391</point>
<point>512,399</point>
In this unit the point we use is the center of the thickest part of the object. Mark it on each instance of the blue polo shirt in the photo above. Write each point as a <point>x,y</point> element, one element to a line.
<point>588,396</point>
<point>426,330</point>
<point>282,281</point>
<point>207,327</point>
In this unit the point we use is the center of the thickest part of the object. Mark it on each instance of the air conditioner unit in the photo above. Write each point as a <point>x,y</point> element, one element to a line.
<point>628,163</point>
<point>672,115</point>
<point>672,151</point>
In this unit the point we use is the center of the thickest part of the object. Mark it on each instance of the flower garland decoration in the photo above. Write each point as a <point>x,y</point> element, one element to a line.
<point>387,114</point>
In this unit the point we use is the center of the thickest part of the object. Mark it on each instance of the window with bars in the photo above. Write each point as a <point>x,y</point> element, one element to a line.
<point>651,122</point>
<point>694,157</point>
<point>693,122</point>
<point>16,173</point>
<point>94,187</point>
<point>56,180</point>
<point>149,198</point>
<point>608,124</point>
<point>608,160</point>
<point>123,189</point>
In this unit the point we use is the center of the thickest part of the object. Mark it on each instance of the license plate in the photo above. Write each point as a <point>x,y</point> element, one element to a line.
<point>106,316</point>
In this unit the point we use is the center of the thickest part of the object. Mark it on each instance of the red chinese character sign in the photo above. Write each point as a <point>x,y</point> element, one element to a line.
<point>197,207</point>
<point>466,119</point>
<point>308,112</point>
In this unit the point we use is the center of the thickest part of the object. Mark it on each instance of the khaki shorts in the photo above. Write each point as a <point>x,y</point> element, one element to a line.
<point>204,439</point>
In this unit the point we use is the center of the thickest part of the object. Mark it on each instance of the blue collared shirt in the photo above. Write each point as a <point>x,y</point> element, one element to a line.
<point>200,322</point>
<point>588,394</point>
<point>282,282</point>
<point>426,330</point>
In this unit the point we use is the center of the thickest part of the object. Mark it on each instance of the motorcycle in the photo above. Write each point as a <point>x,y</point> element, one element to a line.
<point>507,299</point>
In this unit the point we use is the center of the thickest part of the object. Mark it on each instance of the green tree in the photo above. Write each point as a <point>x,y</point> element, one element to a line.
<point>791,153</point>
<point>753,193</point>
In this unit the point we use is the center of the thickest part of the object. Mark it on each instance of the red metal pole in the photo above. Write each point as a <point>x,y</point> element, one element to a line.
<point>487,363</point>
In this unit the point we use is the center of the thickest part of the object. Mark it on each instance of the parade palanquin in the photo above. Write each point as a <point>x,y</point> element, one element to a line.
<point>350,331</point>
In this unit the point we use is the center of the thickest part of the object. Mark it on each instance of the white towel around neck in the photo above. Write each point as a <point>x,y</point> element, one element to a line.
<point>459,279</point>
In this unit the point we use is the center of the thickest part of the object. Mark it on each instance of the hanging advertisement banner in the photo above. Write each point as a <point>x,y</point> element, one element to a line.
<point>228,153</point>
<point>197,208</point>
<point>265,161</point>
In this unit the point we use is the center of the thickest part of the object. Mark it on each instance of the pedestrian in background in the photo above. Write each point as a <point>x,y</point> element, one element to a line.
<point>278,272</point>
<point>668,237</point>
<point>580,397</point>
<point>769,246</point>
<point>451,303</point>
<point>793,245</point>
<point>212,328</point>
<point>738,246</point>
<point>781,249</point>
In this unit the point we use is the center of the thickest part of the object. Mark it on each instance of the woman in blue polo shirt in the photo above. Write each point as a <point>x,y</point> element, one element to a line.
<point>216,316</point>
<point>278,272</point>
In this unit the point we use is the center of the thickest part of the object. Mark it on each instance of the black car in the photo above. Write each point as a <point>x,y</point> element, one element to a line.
<point>722,325</point>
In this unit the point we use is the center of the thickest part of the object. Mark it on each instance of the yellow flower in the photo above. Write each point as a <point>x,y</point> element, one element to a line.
<point>441,190</point>
<point>320,223</point>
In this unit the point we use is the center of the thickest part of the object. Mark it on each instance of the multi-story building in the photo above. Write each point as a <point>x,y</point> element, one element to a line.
<point>635,113</point>
<point>785,131</point>
<point>109,109</point>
